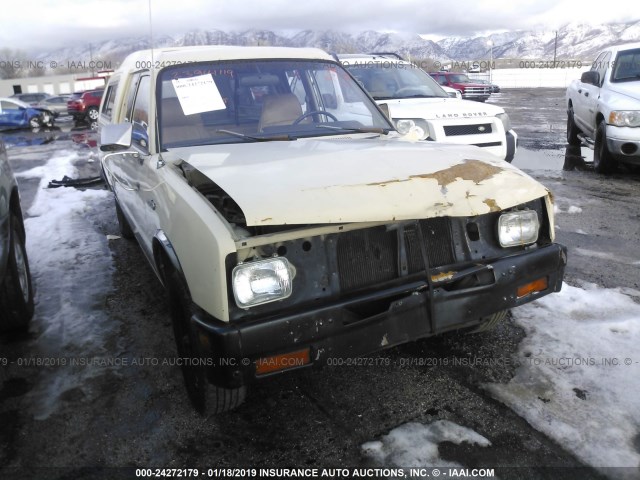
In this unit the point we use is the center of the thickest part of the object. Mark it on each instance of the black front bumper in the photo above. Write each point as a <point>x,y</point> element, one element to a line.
<point>412,311</point>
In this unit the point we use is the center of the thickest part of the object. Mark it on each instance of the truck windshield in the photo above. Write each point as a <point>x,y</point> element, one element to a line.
<point>627,66</point>
<point>388,80</point>
<point>260,100</point>
<point>459,78</point>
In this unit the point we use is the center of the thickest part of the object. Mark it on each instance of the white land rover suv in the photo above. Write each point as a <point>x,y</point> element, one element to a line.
<point>417,103</point>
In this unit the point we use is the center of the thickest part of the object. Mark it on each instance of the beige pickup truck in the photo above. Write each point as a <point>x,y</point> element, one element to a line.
<point>291,225</point>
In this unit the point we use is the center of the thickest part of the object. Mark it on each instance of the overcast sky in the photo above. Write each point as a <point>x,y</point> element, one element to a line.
<point>48,24</point>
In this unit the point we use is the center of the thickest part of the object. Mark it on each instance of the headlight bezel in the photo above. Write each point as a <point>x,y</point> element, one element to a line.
<point>511,223</point>
<point>283,274</point>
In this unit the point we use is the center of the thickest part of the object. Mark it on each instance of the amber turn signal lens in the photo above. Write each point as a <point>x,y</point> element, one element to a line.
<point>535,286</point>
<point>282,362</point>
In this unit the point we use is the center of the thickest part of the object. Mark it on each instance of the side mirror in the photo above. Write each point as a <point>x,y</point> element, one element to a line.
<point>591,77</point>
<point>116,137</point>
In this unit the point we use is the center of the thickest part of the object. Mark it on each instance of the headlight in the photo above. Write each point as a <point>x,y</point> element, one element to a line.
<point>417,128</point>
<point>262,281</point>
<point>504,118</point>
<point>518,228</point>
<point>625,118</point>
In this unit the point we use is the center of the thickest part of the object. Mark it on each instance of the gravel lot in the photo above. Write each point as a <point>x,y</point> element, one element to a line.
<point>139,416</point>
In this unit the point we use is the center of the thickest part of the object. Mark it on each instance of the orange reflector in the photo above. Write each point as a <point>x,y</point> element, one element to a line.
<point>535,286</point>
<point>282,362</point>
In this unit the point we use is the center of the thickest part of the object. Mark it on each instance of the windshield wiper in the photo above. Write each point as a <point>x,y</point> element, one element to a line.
<point>378,130</point>
<point>421,95</point>
<point>273,138</point>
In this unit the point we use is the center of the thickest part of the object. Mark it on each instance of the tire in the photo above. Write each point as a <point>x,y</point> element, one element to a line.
<point>204,397</point>
<point>92,114</point>
<point>572,129</point>
<point>125,229</point>
<point>34,122</point>
<point>490,322</point>
<point>16,290</point>
<point>603,161</point>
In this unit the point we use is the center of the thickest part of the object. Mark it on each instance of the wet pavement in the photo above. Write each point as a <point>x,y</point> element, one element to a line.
<point>116,402</point>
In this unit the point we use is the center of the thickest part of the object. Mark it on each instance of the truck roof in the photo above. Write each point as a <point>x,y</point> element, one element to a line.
<point>175,55</point>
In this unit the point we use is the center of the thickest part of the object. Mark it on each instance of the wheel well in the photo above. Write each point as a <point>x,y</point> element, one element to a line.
<point>164,256</point>
<point>599,118</point>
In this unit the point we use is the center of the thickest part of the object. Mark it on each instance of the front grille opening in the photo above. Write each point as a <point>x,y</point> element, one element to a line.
<point>476,129</point>
<point>367,257</point>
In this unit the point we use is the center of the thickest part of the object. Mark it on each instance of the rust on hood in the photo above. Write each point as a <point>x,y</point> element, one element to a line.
<point>473,170</point>
<point>491,203</point>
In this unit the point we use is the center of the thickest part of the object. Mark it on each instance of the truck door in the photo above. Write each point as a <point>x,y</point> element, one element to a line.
<point>587,107</point>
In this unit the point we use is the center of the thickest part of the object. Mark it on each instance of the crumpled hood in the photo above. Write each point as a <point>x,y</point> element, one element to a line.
<point>439,108</point>
<point>342,180</point>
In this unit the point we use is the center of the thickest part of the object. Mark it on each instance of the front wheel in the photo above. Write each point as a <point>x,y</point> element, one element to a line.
<point>490,322</point>
<point>92,114</point>
<point>16,291</point>
<point>203,395</point>
<point>603,161</point>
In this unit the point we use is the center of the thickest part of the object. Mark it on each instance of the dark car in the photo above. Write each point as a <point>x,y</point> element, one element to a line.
<point>83,106</point>
<point>16,292</point>
<point>17,114</point>
<point>30,98</point>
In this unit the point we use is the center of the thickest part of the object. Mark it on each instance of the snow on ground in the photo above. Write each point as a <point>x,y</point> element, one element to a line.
<point>66,251</point>
<point>416,445</point>
<point>579,375</point>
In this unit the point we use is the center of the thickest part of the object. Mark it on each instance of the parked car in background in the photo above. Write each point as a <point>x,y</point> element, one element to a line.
<point>416,102</point>
<point>56,104</point>
<point>292,225</point>
<point>494,88</point>
<point>603,108</point>
<point>469,89</point>
<point>17,114</point>
<point>16,291</point>
<point>84,106</point>
<point>30,98</point>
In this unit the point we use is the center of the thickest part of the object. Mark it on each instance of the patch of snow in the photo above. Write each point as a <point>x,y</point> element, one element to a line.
<point>581,232</point>
<point>71,268</point>
<point>574,209</point>
<point>416,445</point>
<point>579,375</point>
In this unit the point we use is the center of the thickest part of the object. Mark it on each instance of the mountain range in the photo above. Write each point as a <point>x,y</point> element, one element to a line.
<point>574,41</point>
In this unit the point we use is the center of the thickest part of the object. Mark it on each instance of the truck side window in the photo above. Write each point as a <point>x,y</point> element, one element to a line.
<point>140,114</point>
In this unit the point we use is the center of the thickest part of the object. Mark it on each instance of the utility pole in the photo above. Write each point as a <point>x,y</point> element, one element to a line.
<point>490,43</point>
<point>555,50</point>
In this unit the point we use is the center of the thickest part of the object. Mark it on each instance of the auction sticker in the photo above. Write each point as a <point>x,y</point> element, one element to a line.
<point>198,94</point>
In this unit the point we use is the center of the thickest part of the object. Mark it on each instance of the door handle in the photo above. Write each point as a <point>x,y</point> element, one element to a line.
<point>152,204</point>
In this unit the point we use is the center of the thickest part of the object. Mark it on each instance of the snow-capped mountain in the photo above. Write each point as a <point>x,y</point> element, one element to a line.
<point>574,41</point>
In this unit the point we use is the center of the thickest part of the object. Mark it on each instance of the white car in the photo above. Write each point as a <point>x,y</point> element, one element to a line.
<point>415,101</point>
<point>291,225</point>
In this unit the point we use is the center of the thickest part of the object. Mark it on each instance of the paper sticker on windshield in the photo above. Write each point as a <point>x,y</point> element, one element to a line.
<point>198,94</point>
